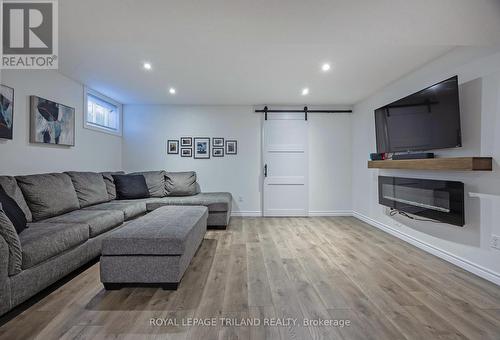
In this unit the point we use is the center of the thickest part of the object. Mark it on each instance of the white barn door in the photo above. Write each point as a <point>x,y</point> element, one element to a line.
<point>285,157</point>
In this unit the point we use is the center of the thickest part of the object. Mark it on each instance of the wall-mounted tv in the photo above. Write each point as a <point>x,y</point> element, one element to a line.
<point>426,120</point>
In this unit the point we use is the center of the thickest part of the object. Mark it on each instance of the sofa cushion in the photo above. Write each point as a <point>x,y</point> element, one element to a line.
<point>9,233</point>
<point>130,209</point>
<point>131,187</point>
<point>181,183</point>
<point>110,183</point>
<point>48,195</point>
<point>155,180</point>
<point>214,201</point>
<point>42,241</point>
<point>97,221</point>
<point>90,187</point>
<point>12,211</point>
<point>10,186</point>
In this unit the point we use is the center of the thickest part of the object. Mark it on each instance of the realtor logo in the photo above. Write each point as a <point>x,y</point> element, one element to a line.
<point>29,34</point>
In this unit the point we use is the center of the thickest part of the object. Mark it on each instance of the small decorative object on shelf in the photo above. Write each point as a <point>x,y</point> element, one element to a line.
<point>186,152</point>
<point>172,147</point>
<point>201,147</point>
<point>186,141</point>
<point>231,147</point>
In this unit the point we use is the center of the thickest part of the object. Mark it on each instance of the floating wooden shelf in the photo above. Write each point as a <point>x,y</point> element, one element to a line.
<point>452,164</point>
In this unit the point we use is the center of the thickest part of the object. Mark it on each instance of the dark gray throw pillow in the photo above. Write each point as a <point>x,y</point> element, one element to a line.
<point>181,183</point>
<point>110,182</point>
<point>129,187</point>
<point>8,232</point>
<point>155,181</point>
<point>12,211</point>
<point>9,185</point>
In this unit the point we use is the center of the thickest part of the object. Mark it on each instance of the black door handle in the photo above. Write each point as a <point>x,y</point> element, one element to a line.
<point>265,170</point>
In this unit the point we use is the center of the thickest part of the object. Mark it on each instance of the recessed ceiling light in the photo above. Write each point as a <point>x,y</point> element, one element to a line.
<point>325,67</point>
<point>171,90</point>
<point>305,91</point>
<point>147,66</point>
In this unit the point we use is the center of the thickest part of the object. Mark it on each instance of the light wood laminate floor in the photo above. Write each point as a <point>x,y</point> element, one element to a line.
<point>323,268</point>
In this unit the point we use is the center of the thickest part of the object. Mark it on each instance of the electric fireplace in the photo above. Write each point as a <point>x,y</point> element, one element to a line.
<point>433,199</point>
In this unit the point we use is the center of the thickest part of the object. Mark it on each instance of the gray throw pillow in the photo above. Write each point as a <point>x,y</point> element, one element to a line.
<point>90,188</point>
<point>110,182</point>
<point>8,232</point>
<point>48,195</point>
<point>155,180</point>
<point>11,188</point>
<point>181,183</point>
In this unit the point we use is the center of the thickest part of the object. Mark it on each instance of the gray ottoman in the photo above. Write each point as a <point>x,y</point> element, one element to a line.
<point>153,250</point>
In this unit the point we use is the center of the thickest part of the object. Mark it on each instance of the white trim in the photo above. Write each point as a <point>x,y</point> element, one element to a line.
<point>487,196</point>
<point>88,126</point>
<point>255,213</point>
<point>330,213</point>
<point>443,254</point>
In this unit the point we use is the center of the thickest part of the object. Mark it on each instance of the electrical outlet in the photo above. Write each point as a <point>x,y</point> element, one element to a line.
<point>495,241</point>
<point>240,199</point>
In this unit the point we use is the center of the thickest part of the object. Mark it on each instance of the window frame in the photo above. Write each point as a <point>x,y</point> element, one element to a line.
<point>90,126</point>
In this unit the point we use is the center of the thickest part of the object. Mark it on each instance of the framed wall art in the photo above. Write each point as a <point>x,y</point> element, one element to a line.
<point>231,147</point>
<point>51,122</point>
<point>202,148</point>
<point>186,141</point>
<point>6,112</point>
<point>186,152</point>
<point>172,147</point>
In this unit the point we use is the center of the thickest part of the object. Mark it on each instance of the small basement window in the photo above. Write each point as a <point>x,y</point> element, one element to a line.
<point>102,113</point>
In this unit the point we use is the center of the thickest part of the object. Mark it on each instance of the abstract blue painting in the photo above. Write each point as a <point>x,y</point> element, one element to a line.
<point>6,111</point>
<point>51,122</point>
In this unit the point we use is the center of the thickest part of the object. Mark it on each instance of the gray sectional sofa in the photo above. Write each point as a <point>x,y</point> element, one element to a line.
<point>69,214</point>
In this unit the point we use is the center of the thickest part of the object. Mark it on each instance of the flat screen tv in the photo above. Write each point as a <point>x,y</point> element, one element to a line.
<point>428,119</point>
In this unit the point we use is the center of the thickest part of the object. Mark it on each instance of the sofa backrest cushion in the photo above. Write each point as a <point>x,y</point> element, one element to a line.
<point>155,181</point>
<point>110,182</point>
<point>11,188</point>
<point>48,195</point>
<point>90,188</point>
<point>8,232</point>
<point>130,187</point>
<point>13,212</point>
<point>181,183</point>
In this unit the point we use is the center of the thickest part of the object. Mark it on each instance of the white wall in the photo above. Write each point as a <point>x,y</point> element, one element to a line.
<point>479,77</point>
<point>147,128</point>
<point>93,151</point>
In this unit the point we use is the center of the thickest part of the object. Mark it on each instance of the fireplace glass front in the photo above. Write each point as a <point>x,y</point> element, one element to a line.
<point>434,199</point>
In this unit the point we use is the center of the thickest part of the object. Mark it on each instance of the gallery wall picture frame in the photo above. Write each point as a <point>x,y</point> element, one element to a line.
<point>217,142</point>
<point>231,147</point>
<point>186,152</point>
<point>173,147</point>
<point>6,112</point>
<point>186,141</point>
<point>217,152</point>
<point>201,147</point>
<point>51,122</point>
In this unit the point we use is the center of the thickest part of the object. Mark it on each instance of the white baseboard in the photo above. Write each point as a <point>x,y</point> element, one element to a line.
<point>331,213</point>
<point>256,213</point>
<point>443,254</point>
<point>311,213</point>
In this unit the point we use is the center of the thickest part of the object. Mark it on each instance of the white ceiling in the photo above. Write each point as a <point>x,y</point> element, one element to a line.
<point>261,51</point>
